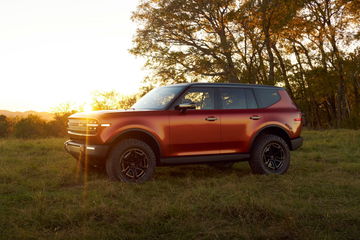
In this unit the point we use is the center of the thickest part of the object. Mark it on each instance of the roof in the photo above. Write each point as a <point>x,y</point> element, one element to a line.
<point>200,84</point>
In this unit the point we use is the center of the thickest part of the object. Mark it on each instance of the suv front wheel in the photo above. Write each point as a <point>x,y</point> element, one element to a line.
<point>270,155</point>
<point>131,160</point>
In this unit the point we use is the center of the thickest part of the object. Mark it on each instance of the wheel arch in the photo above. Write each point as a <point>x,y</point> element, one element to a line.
<point>274,130</point>
<point>141,135</point>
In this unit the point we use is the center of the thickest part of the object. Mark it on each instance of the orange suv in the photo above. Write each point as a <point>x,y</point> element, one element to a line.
<point>211,123</point>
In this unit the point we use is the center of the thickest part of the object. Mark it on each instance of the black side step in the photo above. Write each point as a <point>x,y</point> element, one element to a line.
<point>205,159</point>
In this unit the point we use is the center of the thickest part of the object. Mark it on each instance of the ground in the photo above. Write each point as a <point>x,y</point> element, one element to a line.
<point>44,196</point>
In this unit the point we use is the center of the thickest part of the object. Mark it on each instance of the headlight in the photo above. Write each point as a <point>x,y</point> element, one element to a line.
<point>83,127</point>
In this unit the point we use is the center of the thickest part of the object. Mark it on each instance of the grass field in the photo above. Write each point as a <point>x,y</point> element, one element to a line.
<point>42,196</point>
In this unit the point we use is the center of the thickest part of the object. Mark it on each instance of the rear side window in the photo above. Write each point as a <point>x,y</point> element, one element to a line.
<point>237,98</point>
<point>233,98</point>
<point>250,99</point>
<point>266,97</point>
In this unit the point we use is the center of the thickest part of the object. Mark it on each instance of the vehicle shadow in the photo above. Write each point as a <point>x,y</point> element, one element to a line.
<point>201,171</point>
<point>195,171</point>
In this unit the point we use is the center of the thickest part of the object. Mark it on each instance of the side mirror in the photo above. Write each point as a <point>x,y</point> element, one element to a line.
<point>185,106</point>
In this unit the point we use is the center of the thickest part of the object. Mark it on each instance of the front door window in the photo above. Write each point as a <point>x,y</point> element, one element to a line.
<point>202,97</point>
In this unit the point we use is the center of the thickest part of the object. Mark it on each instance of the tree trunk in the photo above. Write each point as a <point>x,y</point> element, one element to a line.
<point>283,70</point>
<point>271,78</point>
<point>230,66</point>
<point>266,22</point>
<point>306,94</point>
<point>342,112</point>
<point>262,66</point>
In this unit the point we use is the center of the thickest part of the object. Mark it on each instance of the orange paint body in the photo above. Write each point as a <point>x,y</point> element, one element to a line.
<point>187,133</point>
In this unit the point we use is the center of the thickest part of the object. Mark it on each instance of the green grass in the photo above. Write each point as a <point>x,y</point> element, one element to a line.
<point>42,196</point>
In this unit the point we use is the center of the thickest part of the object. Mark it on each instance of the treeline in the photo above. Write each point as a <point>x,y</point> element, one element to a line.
<point>34,126</point>
<point>310,47</point>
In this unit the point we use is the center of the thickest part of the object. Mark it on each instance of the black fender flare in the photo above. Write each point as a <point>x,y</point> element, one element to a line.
<point>117,136</point>
<point>267,127</point>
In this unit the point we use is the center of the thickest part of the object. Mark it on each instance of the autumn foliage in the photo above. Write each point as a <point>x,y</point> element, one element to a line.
<point>310,47</point>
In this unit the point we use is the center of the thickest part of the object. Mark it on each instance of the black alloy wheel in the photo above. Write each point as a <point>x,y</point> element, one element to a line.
<point>270,154</point>
<point>134,163</point>
<point>273,156</point>
<point>131,160</point>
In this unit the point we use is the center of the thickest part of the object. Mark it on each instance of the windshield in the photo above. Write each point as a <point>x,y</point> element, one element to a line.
<point>158,98</point>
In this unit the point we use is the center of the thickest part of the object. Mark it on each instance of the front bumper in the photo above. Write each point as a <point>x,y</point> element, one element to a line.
<point>82,151</point>
<point>296,143</point>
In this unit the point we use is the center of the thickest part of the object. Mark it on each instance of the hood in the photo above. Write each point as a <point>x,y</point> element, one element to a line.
<point>105,113</point>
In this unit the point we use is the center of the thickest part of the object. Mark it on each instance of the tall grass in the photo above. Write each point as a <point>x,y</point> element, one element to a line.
<point>42,196</point>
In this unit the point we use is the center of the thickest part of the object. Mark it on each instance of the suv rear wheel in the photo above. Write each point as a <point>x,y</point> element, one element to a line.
<point>131,160</point>
<point>270,155</point>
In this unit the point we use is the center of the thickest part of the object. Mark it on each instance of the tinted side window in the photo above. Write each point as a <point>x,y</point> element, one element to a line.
<point>266,97</point>
<point>202,97</point>
<point>250,99</point>
<point>233,98</point>
<point>237,98</point>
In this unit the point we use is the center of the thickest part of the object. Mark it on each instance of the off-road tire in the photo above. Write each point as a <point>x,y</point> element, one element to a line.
<point>117,160</point>
<point>260,153</point>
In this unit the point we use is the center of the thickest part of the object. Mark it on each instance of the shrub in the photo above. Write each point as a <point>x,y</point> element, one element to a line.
<point>30,127</point>
<point>58,126</point>
<point>4,126</point>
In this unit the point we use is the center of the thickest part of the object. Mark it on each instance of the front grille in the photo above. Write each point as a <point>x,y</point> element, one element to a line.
<point>83,127</point>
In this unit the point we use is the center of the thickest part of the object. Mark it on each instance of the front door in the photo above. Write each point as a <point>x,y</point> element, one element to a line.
<point>195,131</point>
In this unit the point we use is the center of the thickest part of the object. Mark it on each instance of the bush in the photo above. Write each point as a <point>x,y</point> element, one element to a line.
<point>31,127</point>
<point>4,126</point>
<point>34,126</point>
<point>58,126</point>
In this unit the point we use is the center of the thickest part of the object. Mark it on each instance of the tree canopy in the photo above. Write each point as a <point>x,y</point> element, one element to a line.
<point>311,47</point>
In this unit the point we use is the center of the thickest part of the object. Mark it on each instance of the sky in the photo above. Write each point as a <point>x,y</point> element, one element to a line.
<point>60,51</point>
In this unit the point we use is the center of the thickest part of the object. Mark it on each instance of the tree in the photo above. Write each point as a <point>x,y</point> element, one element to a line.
<point>331,20</point>
<point>185,40</point>
<point>301,45</point>
<point>210,39</point>
<point>111,100</point>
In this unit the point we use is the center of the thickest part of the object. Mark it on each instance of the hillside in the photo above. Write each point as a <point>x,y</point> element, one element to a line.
<point>43,115</point>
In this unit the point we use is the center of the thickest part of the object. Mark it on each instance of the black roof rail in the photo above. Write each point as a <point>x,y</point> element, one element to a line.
<point>200,84</point>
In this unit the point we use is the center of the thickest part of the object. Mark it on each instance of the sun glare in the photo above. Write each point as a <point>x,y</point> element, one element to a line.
<point>60,51</point>
<point>87,107</point>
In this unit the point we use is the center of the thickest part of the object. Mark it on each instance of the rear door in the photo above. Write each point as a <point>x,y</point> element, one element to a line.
<point>238,118</point>
<point>197,131</point>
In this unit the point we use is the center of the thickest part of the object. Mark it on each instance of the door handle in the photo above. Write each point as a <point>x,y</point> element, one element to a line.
<point>255,117</point>
<point>211,119</point>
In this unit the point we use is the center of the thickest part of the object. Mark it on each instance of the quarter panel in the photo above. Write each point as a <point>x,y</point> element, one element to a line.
<point>238,130</point>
